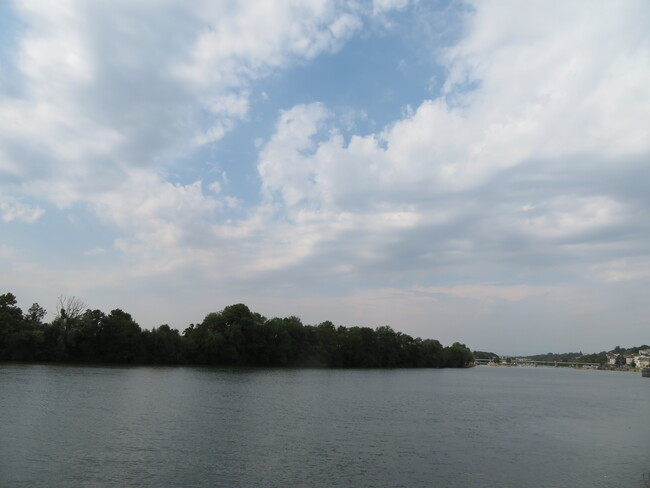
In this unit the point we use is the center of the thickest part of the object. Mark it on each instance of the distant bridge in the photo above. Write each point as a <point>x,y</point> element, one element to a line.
<point>482,361</point>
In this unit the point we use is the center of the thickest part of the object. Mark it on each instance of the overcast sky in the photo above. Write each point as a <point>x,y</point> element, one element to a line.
<point>466,171</point>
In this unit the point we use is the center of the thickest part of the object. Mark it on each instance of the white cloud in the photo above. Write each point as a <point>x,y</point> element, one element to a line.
<point>532,89</point>
<point>566,217</point>
<point>634,268</point>
<point>561,80</point>
<point>106,87</point>
<point>111,100</point>
<point>382,6</point>
<point>506,177</point>
<point>158,212</point>
<point>96,251</point>
<point>285,165</point>
<point>489,293</point>
<point>214,133</point>
<point>20,212</point>
<point>248,38</point>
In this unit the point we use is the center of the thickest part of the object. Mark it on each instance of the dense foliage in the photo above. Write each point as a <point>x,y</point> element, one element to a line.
<point>234,336</point>
<point>597,357</point>
<point>487,355</point>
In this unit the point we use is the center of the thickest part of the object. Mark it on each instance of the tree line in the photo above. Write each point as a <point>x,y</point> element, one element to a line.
<point>235,336</point>
<point>597,357</point>
<point>571,357</point>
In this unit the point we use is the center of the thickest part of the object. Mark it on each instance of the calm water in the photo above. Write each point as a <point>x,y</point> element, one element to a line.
<point>68,426</point>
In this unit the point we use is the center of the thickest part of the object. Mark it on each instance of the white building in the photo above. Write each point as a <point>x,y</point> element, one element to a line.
<point>642,361</point>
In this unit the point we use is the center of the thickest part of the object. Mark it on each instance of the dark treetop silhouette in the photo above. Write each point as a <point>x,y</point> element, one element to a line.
<point>235,336</point>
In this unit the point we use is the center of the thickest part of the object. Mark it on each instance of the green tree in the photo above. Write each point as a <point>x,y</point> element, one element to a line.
<point>233,336</point>
<point>388,347</point>
<point>163,345</point>
<point>82,336</point>
<point>119,338</point>
<point>11,322</point>
<point>327,349</point>
<point>35,315</point>
<point>432,354</point>
<point>458,356</point>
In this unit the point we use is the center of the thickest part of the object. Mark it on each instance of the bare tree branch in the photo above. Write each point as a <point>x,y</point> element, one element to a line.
<point>70,307</point>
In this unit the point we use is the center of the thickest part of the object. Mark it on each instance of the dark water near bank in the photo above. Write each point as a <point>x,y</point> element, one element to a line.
<point>69,426</point>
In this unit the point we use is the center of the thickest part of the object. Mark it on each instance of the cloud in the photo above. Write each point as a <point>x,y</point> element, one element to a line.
<point>96,251</point>
<point>20,212</point>
<point>523,170</point>
<point>567,217</point>
<point>157,213</point>
<point>107,88</point>
<point>111,101</point>
<point>283,166</point>
<point>618,270</point>
<point>488,293</point>
<point>247,39</point>
<point>383,6</point>
<point>540,102</point>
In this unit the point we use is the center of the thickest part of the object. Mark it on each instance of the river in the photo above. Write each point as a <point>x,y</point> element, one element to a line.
<point>84,426</point>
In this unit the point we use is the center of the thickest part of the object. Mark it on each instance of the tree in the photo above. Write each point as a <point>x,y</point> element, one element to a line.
<point>70,307</point>
<point>163,345</point>
<point>432,355</point>
<point>10,313</point>
<point>35,315</point>
<point>388,347</point>
<point>11,322</point>
<point>234,336</point>
<point>458,356</point>
<point>120,338</point>
<point>82,337</point>
<point>327,344</point>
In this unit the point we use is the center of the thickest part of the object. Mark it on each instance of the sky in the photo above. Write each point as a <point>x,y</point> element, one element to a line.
<point>472,171</point>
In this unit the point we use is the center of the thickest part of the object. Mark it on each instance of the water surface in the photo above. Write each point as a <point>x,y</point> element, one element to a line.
<point>73,426</point>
